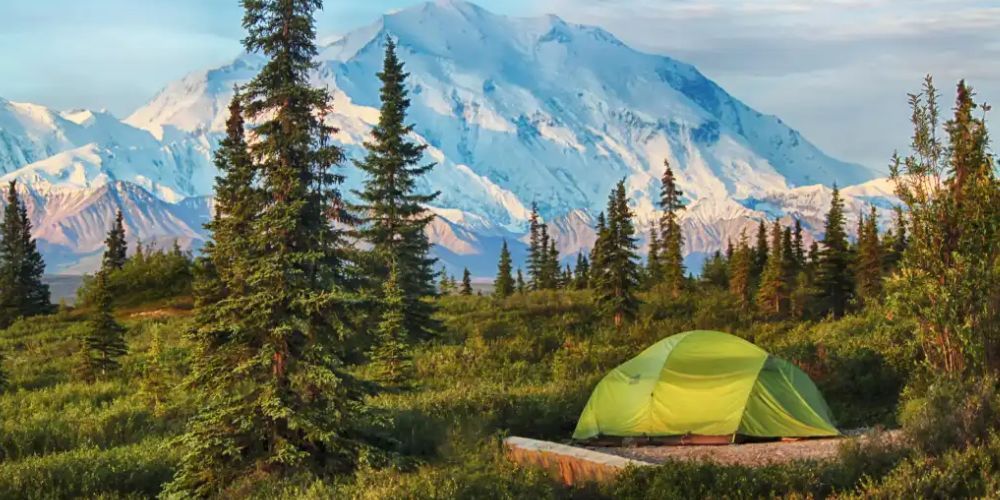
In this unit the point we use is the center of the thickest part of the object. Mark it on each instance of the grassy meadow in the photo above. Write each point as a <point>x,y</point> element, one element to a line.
<point>519,366</point>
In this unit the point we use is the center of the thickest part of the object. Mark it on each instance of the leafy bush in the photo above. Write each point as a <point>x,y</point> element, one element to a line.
<point>147,276</point>
<point>89,471</point>
<point>972,472</point>
<point>954,413</point>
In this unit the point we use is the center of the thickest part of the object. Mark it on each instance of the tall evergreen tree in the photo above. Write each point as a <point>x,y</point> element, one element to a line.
<point>393,215</point>
<point>581,274</point>
<point>115,246</point>
<point>672,256</point>
<point>519,282</point>
<point>654,266</point>
<point>272,396</point>
<point>760,251</point>
<point>22,292</point>
<point>715,271</point>
<point>773,294</point>
<point>798,245</point>
<point>104,341</point>
<point>741,271</point>
<point>552,271</point>
<point>537,248</point>
<point>504,284</point>
<point>834,279</point>
<point>391,350</point>
<point>868,271</point>
<point>466,283</point>
<point>616,263</point>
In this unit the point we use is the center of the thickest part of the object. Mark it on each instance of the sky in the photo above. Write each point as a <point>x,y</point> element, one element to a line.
<point>836,70</point>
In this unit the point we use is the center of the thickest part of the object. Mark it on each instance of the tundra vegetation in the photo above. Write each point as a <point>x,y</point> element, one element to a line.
<point>286,362</point>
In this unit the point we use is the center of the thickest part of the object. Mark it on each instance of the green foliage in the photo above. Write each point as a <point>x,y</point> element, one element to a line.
<point>148,275</point>
<point>671,256</point>
<point>391,352</point>
<point>949,278</point>
<point>393,217</point>
<point>952,413</point>
<point>615,270</point>
<point>772,298</point>
<point>104,342</point>
<point>22,293</point>
<point>503,286</point>
<point>138,470</point>
<point>115,247</point>
<point>834,280</point>
<point>466,288</point>
<point>870,261</point>
<point>959,473</point>
<point>741,272</point>
<point>274,304</point>
<point>543,259</point>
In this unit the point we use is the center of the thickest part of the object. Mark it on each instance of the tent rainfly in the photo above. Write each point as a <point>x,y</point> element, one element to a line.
<point>708,384</point>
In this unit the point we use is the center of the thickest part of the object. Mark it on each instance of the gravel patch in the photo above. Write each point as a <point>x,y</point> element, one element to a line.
<point>751,454</point>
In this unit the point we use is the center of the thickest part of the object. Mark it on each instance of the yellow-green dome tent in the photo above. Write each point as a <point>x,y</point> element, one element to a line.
<point>705,383</point>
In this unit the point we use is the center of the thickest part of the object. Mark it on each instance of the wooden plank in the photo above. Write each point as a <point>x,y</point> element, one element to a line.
<point>569,464</point>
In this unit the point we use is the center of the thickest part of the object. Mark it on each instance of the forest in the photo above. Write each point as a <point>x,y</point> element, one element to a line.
<point>285,360</point>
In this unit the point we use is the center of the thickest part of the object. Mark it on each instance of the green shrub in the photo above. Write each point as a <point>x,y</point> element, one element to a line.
<point>147,276</point>
<point>139,468</point>
<point>973,472</point>
<point>953,413</point>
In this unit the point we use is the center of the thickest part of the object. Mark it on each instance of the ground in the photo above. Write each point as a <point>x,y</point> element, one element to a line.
<point>750,454</point>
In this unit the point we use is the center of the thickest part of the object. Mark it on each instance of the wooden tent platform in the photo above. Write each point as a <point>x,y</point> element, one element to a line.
<point>570,464</point>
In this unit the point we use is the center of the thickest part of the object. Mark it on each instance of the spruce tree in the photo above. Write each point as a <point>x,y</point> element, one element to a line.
<point>466,283</point>
<point>773,293</point>
<point>445,286</point>
<point>552,270</point>
<point>715,271</point>
<point>115,246</point>
<point>519,282</point>
<point>391,351</point>
<point>672,239</point>
<point>741,271</point>
<point>868,271</point>
<point>22,292</point>
<point>760,251</point>
<point>581,274</point>
<point>537,248</point>
<point>834,281</point>
<point>566,279</point>
<point>393,217</point>
<point>653,264</point>
<point>504,284</point>
<point>272,397</point>
<point>616,263</point>
<point>798,245</point>
<point>104,341</point>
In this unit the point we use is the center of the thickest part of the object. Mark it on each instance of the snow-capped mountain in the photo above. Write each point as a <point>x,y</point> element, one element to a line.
<point>514,111</point>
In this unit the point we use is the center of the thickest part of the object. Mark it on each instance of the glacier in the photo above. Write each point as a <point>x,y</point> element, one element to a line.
<point>514,111</point>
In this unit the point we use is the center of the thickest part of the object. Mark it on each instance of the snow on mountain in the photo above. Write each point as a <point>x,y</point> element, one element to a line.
<point>515,111</point>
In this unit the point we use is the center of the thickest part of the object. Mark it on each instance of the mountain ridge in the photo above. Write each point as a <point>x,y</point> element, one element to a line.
<point>507,127</point>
